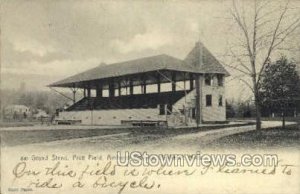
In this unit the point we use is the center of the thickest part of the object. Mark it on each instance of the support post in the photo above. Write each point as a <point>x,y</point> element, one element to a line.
<point>166,112</point>
<point>84,92</point>
<point>158,83</point>
<point>89,95</point>
<point>89,91</point>
<point>173,82</point>
<point>184,106</point>
<point>191,82</point>
<point>74,96</point>
<point>99,90</point>
<point>185,114</point>
<point>74,93</point>
<point>111,89</point>
<point>143,84</point>
<point>130,87</point>
<point>184,80</point>
<point>198,99</point>
<point>119,88</point>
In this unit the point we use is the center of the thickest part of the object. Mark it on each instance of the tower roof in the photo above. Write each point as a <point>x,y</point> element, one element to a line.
<point>203,60</point>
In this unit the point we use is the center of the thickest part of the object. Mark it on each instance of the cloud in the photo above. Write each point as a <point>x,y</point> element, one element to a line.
<point>33,46</point>
<point>56,39</point>
<point>38,75</point>
<point>149,40</point>
<point>64,68</point>
<point>20,56</point>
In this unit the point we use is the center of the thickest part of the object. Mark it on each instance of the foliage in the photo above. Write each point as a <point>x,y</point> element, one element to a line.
<point>45,100</point>
<point>280,86</point>
<point>230,112</point>
<point>261,31</point>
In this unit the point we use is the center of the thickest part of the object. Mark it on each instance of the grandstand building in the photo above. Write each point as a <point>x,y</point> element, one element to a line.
<point>157,90</point>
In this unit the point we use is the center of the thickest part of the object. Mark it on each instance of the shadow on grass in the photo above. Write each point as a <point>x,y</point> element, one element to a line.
<point>12,138</point>
<point>265,138</point>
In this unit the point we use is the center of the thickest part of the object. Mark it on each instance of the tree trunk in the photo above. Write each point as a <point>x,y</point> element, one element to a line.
<point>257,103</point>
<point>258,114</point>
<point>283,116</point>
<point>283,120</point>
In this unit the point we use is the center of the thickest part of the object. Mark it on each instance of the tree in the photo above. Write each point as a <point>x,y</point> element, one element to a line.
<point>26,99</point>
<point>280,86</point>
<point>230,113</point>
<point>40,100</point>
<point>45,100</point>
<point>262,28</point>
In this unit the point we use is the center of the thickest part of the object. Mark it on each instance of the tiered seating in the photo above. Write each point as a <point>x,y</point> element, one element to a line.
<point>151,100</point>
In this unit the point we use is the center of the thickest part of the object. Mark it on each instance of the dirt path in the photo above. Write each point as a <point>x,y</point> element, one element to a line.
<point>195,141</point>
<point>126,141</point>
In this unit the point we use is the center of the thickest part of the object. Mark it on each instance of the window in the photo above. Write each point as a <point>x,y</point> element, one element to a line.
<point>162,109</point>
<point>193,113</point>
<point>208,100</point>
<point>207,80</point>
<point>220,100</point>
<point>220,80</point>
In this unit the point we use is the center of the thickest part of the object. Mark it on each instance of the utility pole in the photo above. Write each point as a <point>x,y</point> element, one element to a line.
<point>198,84</point>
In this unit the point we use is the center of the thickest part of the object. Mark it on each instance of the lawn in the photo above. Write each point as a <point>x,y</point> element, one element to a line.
<point>14,137</point>
<point>265,138</point>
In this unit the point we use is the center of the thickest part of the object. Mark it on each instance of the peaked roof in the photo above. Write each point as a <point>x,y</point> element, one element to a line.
<point>209,63</point>
<point>148,64</point>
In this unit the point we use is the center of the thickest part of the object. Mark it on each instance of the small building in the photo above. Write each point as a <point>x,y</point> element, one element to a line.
<point>156,90</point>
<point>16,111</point>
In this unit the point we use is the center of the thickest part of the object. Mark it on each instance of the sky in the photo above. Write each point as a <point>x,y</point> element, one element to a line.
<point>46,41</point>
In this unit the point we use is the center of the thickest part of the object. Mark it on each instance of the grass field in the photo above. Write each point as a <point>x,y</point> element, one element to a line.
<point>272,137</point>
<point>12,137</point>
<point>265,138</point>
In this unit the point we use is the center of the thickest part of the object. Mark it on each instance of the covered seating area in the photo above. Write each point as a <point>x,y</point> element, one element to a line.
<point>150,85</point>
<point>152,100</point>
